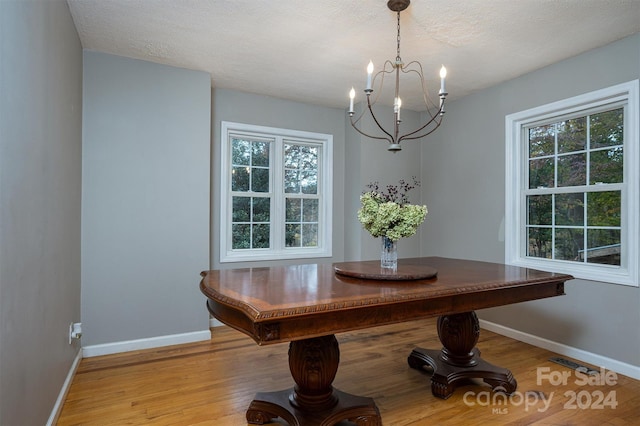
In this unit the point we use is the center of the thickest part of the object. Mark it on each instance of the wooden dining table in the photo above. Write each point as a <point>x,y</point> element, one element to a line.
<point>306,305</point>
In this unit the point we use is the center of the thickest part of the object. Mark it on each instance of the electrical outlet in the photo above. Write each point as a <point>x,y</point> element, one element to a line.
<point>75,331</point>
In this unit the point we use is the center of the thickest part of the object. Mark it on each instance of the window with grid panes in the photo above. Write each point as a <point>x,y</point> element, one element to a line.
<point>572,190</point>
<point>276,193</point>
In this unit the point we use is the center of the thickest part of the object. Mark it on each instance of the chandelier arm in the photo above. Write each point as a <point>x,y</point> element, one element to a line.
<point>405,137</point>
<point>438,112</point>
<point>353,123</point>
<point>367,135</point>
<point>392,139</point>
<point>373,84</point>
<point>381,73</point>
<point>433,119</point>
<point>425,93</point>
<point>434,110</point>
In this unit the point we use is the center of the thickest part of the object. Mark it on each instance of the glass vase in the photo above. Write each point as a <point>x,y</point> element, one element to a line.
<point>389,254</point>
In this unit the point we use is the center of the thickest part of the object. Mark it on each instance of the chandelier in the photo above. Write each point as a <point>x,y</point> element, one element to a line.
<point>435,112</point>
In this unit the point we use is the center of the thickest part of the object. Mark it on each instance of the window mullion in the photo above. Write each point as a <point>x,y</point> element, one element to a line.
<point>587,144</point>
<point>278,202</point>
<point>553,226</point>
<point>554,191</point>
<point>584,224</point>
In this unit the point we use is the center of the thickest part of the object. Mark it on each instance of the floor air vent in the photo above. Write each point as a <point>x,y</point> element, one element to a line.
<point>574,365</point>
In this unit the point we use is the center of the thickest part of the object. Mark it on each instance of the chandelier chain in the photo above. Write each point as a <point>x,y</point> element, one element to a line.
<point>398,60</point>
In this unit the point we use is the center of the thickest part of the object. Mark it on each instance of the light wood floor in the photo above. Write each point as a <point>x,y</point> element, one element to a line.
<point>212,383</point>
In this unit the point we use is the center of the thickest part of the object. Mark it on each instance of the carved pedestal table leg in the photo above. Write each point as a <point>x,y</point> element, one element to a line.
<point>459,359</point>
<point>313,400</point>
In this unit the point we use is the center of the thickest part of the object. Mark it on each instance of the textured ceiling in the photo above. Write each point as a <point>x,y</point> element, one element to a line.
<point>315,50</point>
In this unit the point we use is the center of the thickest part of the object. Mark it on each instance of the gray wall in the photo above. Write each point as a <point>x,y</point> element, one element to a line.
<point>240,107</point>
<point>40,174</point>
<point>463,172</point>
<point>145,199</point>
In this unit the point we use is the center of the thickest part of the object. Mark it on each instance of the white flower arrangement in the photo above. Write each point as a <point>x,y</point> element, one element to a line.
<point>389,213</point>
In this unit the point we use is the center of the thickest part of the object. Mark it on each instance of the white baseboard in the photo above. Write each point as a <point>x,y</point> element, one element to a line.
<point>214,323</point>
<point>57,408</point>
<point>148,343</point>
<point>620,367</point>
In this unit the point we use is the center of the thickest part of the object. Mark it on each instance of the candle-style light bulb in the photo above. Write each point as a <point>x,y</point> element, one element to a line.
<point>369,75</point>
<point>397,108</point>
<point>352,95</point>
<point>443,75</point>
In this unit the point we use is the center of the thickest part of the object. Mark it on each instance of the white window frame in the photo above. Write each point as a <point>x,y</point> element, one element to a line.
<point>515,180</point>
<point>278,249</point>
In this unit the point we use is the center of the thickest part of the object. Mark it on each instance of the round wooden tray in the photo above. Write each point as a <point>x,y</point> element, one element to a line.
<point>371,270</point>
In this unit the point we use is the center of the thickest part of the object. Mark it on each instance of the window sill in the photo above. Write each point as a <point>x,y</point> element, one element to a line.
<point>599,273</point>
<point>238,256</point>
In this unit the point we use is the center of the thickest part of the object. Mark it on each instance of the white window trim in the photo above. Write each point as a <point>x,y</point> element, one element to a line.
<point>628,272</point>
<point>324,249</point>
